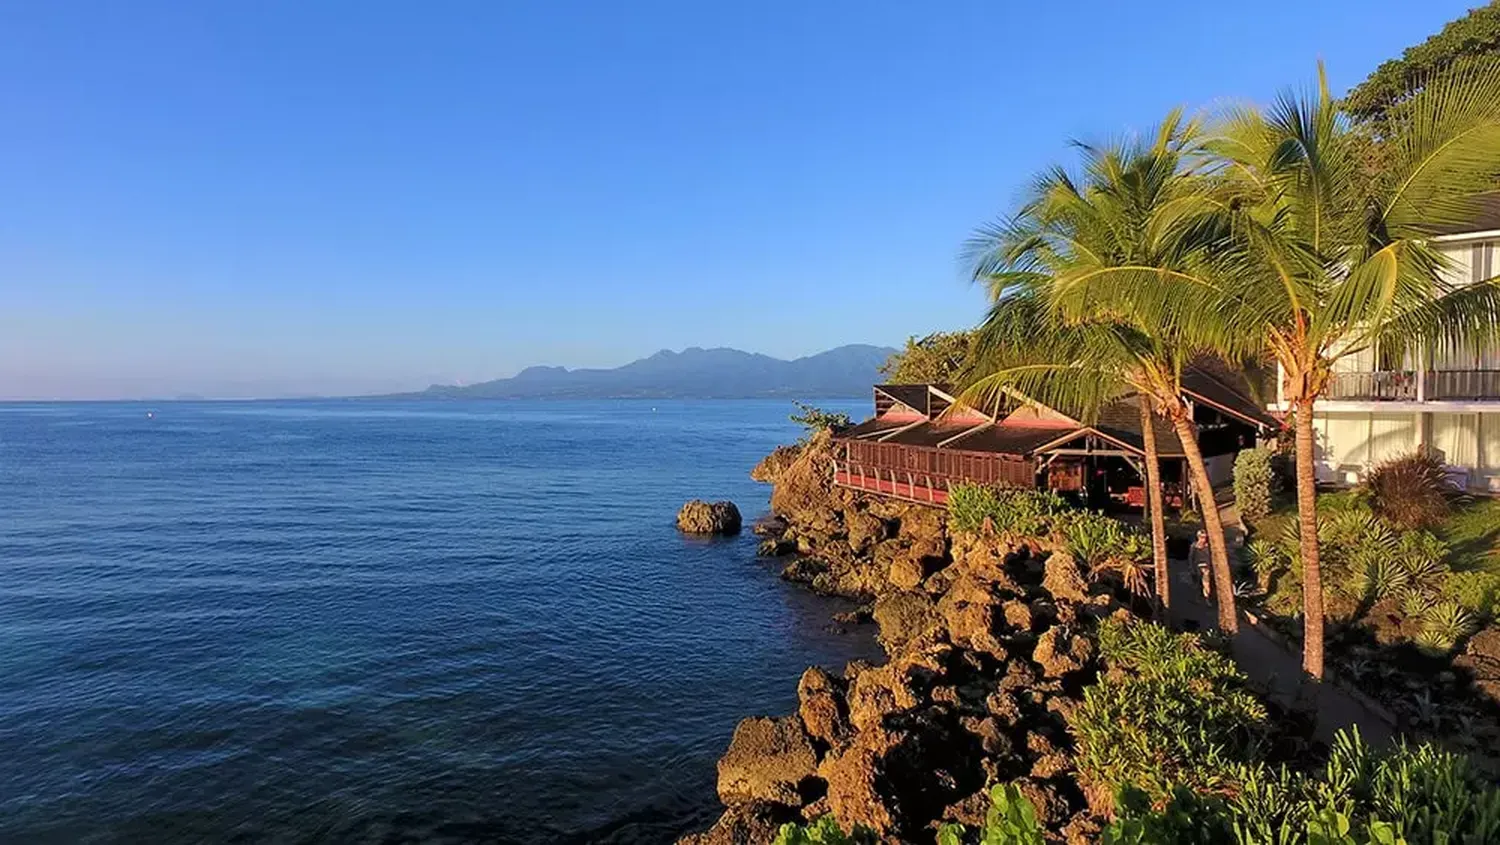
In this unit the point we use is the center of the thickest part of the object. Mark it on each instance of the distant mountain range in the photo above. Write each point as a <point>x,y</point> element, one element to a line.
<point>691,374</point>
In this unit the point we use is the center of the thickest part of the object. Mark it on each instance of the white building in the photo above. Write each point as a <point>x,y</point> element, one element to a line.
<point>1451,403</point>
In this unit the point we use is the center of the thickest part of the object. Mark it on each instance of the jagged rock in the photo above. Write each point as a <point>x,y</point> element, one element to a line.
<point>1059,652</point>
<point>903,616</point>
<point>876,692</point>
<point>822,707</point>
<point>1052,656</point>
<point>756,822</point>
<point>1082,829</point>
<point>1004,707</point>
<point>854,795</point>
<point>1062,579</point>
<point>700,517</point>
<point>768,760</point>
<point>1018,676</point>
<point>864,530</point>
<point>771,467</point>
<point>905,572</point>
<point>991,734</point>
<point>971,810</point>
<point>857,616</point>
<point>775,547</point>
<point>1481,657</point>
<point>1017,614</point>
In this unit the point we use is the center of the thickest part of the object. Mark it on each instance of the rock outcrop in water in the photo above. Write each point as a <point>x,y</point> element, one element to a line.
<point>700,517</point>
<point>990,645</point>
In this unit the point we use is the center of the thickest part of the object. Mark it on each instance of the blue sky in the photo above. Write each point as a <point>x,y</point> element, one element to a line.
<point>260,198</point>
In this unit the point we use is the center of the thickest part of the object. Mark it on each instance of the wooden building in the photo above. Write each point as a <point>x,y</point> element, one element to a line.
<point>921,442</point>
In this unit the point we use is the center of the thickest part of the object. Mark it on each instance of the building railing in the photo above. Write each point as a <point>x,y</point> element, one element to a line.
<point>1391,386</point>
<point>1409,386</point>
<point>1463,384</point>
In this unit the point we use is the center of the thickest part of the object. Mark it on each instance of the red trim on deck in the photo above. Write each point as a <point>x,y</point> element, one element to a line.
<point>919,493</point>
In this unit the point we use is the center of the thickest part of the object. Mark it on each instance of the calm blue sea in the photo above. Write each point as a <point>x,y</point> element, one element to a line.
<point>383,621</point>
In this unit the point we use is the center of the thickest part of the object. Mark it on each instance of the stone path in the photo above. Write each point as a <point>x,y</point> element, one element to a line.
<point>1270,662</point>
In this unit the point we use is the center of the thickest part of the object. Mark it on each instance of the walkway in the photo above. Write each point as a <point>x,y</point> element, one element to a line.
<point>1270,663</point>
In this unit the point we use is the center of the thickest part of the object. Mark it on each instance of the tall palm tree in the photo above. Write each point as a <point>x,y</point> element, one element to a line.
<point>1134,204</point>
<point>1311,257</point>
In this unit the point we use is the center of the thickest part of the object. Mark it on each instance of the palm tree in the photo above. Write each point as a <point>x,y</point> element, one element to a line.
<point>1311,257</point>
<point>1134,205</point>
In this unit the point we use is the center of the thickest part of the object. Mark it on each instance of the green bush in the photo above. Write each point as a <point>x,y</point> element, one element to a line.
<point>824,831</point>
<point>1410,794</point>
<point>1254,475</point>
<point>816,419</point>
<point>1108,545</point>
<point>1477,592</point>
<point>1011,510</point>
<point>1168,712</point>
<point>1411,491</point>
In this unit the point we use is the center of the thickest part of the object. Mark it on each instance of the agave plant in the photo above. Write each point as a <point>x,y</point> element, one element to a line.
<point>1416,602</point>
<point>1444,625</point>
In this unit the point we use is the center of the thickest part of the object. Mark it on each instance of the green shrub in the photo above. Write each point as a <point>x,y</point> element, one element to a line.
<point>1168,712</point>
<point>824,831</point>
<point>1254,475</point>
<point>1477,592</point>
<point>1010,510</point>
<point>1411,491</point>
<point>1410,794</point>
<point>1108,545</point>
<point>1444,624</point>
<point>816,419</point>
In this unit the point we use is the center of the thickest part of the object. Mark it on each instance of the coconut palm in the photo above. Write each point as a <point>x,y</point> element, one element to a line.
<point>1134,204</point>
<point>1313,257</point>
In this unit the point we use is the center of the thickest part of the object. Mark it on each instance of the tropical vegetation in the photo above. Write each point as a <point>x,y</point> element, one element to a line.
<point>1200,774</point>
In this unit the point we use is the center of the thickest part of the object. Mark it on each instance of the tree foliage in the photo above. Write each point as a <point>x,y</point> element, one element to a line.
<point>1397,80</point>
<point>938,358</point>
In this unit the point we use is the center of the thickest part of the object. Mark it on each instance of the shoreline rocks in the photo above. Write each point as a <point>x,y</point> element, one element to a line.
<point>989,642</point>
<point>700,517</point>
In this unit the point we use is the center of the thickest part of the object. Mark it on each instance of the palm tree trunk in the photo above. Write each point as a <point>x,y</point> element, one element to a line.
<point>1307,524</point>
<point>1154,507</point>
<point>1218,552</point>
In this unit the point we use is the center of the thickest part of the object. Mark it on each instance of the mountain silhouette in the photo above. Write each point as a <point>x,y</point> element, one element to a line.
<point>693,373</point>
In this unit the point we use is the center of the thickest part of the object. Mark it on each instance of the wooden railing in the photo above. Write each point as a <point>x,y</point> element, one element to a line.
<point>925,473</point>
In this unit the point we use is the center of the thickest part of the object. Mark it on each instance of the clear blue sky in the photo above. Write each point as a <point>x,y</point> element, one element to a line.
<point>252,197</point>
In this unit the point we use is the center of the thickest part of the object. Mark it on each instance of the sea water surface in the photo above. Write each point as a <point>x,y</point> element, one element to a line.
<point>383,621</point>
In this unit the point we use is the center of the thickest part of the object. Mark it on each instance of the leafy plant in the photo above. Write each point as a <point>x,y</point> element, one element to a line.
<point>1444,624</point>
<point>1011,820</point>
<point>824,831</point>
<point>1411,490</point>
<point>1027,513</point>
<point>1107,545</point>
<point>1254,474</point>
<point>1416,794</point>
<point>816,419</point>
<point>1168,712</point>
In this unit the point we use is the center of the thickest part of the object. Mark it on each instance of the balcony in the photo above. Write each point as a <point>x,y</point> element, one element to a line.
<point>1463,384</point>
<point>1411,386</point>
<point>1388,386</point>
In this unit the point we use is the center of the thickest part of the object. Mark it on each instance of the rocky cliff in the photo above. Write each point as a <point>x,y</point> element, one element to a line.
<point>990,645</point>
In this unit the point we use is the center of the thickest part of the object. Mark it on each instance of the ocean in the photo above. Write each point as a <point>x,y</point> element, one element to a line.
<point>385,621</point>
